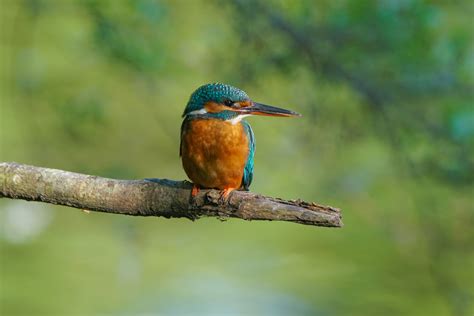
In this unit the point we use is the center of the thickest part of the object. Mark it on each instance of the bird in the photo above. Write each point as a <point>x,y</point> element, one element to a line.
<point>217,146</point>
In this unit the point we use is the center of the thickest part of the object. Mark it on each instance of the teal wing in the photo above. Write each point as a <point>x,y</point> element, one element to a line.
<point>248,170</point>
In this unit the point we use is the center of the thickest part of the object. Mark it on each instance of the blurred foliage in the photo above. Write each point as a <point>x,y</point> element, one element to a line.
<point>386,90</point>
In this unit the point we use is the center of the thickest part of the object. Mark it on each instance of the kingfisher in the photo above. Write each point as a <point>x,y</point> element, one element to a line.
<point>217,146</point>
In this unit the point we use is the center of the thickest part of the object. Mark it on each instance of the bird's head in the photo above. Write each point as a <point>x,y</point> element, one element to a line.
<point>227,102</point>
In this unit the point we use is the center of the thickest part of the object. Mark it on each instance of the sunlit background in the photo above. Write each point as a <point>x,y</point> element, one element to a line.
<point>387,135</point>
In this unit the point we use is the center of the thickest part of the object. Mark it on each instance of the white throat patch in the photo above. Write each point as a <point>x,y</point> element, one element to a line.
<point>237,119</point>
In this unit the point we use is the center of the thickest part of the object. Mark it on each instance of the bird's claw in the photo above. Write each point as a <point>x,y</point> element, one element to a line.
<point>225,194</point>
<point>195,190</point>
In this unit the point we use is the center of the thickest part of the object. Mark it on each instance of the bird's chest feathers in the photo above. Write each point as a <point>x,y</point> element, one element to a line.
<point>221,137</point>
<point>214,152</point>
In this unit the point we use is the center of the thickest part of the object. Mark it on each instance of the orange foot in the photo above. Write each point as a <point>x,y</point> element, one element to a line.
<point>195,190</point>
<point>225,194</point>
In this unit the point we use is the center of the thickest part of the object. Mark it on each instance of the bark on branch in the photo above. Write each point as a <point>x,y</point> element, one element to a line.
<point>160,197</point>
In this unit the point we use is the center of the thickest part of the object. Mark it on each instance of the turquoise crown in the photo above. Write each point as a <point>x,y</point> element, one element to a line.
<point>214,92</point>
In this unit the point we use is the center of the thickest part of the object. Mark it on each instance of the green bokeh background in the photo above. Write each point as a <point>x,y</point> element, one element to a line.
<point>386,92</point>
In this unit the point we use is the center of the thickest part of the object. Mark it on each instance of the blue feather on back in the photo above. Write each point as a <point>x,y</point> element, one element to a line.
<point>248,170</point>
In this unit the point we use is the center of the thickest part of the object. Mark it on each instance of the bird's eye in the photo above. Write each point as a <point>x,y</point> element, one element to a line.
<point>228,102</point>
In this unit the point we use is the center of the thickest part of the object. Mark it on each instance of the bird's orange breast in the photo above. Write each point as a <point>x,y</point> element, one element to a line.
<point>214,152</point>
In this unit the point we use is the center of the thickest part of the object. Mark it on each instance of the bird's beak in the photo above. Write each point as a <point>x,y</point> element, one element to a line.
<point>267,110</point>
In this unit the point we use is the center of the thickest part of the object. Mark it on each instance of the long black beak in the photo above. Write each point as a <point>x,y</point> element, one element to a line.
<point>268,110</point>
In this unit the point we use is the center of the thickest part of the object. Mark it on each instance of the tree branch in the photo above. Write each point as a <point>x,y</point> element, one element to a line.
<point>159,197</point>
